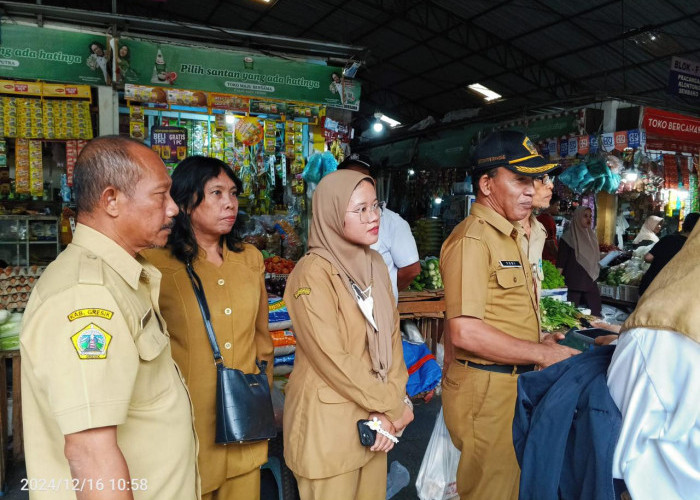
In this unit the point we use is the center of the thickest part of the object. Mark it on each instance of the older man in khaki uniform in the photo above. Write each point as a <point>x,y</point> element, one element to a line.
<point>492,308</point>
<point>104,406</point>
<point>533,234</point>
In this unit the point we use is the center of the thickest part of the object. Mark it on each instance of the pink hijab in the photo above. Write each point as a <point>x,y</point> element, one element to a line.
<point>584,242</point>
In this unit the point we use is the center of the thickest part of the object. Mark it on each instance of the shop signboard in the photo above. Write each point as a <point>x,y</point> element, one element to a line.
<point>667,125</point>
<point>684,78</point>
<point>234,72</point>
<point>59,55</point>
<point>170,143</point>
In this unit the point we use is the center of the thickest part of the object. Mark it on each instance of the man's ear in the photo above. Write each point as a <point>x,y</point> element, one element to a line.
<point>109,201</point>
<point>485,185</point>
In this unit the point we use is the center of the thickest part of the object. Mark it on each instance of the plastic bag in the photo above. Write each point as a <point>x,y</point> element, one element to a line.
<point>437,477</point>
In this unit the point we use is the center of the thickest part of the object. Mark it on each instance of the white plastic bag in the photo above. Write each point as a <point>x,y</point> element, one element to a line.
<point>437,477</point>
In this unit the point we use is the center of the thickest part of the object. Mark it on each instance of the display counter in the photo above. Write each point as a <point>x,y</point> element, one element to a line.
<point>427,309</point>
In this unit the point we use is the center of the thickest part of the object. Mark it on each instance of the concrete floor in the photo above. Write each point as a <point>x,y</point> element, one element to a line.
<point>409,453</point>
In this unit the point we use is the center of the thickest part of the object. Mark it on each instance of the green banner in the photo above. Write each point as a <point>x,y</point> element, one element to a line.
<point>549,128</point>
<point>55,55</point>
<point>233,72</point>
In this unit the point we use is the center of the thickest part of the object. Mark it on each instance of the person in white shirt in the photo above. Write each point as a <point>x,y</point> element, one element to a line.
<point>654,378</point>
<point>396,243</point>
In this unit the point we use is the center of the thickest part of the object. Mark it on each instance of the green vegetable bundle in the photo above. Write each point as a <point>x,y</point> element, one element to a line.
<point>556,315</point>
<point>429,277</point>
<point>10,324</point>
<point>552,276</point>
<point>615,276</point>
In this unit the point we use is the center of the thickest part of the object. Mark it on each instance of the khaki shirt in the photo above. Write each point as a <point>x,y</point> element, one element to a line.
<point>237,300</point>
<point>95,353</point>
<point>533,247</point>
<point>332,385</point>
<point>487,275</point>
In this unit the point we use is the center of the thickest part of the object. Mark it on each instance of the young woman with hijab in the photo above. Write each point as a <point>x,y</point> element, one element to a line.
<point>578,261</point>
<point>649,233</point>
<point>232,274</point>
<point>349,361</point>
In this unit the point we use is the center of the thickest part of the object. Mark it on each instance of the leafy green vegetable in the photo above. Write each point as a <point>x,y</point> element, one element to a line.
<point>552,276</point>
<point>556,314</point>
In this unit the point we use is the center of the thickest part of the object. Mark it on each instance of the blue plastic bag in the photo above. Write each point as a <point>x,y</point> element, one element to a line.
<point>423,371</point>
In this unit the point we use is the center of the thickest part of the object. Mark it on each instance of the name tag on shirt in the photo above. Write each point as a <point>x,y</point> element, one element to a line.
<point>510,263</point>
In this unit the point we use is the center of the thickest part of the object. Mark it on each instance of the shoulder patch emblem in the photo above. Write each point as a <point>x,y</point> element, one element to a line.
<point>92,312</point>
<point>91,342</point>
<point>302,291</point>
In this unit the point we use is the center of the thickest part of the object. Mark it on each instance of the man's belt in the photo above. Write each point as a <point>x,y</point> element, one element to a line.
<point>513,369</point>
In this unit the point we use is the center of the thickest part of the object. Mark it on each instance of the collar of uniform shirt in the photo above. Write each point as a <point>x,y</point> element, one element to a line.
<point>493,218</point>
<point>110,252</point>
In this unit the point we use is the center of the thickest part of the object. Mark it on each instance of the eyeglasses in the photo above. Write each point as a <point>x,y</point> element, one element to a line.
<point>546,179</point>
<point>375,208</point>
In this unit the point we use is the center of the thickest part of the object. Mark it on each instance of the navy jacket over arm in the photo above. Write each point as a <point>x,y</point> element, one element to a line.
<point>565,430</point>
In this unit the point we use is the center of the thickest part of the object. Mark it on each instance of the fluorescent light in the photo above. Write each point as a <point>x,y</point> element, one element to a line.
<point>438,200</point>
<point>377,127</point>
<point>230,119</point>
<point>485,92</point>
<point>411,171</point>
<point>389,121</point>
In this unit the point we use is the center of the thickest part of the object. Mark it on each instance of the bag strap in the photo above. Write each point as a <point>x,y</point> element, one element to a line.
<point>204,309</point>
<point>206,317</point>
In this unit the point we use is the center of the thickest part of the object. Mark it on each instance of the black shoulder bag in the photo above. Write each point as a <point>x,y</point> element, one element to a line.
<point>243,403</point>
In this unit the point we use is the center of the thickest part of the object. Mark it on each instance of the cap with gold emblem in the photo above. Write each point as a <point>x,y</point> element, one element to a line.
<point>512,150</point>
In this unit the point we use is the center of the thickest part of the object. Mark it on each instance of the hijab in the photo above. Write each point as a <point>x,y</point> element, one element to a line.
<point>353,261</point>
<point>647,232</point>
<point>670,302</point>
<point>584,242</point>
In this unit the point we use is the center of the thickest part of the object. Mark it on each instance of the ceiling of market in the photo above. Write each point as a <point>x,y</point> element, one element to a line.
<point>542,56</point>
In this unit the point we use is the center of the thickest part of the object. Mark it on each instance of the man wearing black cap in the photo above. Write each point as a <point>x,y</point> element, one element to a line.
<point>492,316</point>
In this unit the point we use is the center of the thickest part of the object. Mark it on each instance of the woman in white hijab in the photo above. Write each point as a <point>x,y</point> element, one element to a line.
<point>649,232</point>
<point>578,261</point>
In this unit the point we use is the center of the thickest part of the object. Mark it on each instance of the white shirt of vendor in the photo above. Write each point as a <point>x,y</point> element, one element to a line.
<point>654,379</point>
<point>396,245</point>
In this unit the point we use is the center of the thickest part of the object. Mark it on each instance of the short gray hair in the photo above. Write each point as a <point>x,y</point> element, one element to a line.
<point>489,173</point>
<point>105,161</point>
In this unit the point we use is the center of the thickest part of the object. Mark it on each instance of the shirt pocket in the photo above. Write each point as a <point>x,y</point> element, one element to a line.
<point>510,278</point>
<point>156,368</point>
<point>328,395</point>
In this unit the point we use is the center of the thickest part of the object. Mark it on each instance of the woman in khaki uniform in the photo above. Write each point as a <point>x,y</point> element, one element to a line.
<point>349,361</point>
<point>232,274</point>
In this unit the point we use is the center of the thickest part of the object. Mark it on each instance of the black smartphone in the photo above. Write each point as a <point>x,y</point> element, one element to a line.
<point>589,335</point>
<point>367,435</point>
